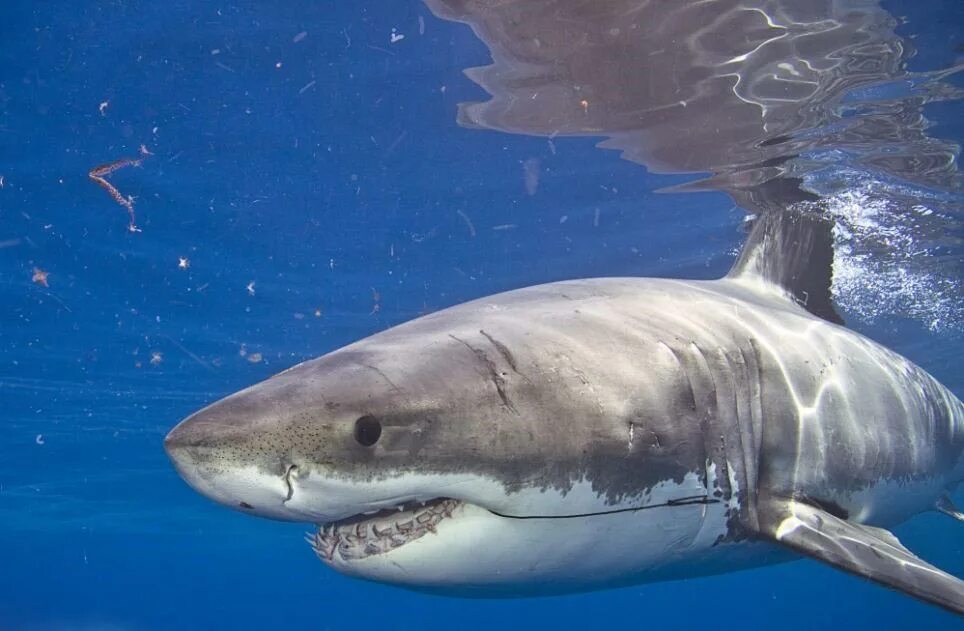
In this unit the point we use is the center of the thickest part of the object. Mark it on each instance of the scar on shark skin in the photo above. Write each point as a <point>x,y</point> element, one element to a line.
<point>498,379</point>
<point>99,175</point>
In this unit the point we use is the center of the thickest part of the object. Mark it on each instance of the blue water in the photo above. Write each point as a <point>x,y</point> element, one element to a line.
<point>318,191</point>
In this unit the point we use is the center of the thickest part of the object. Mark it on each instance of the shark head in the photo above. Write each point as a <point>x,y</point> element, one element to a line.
<point>466,451</point>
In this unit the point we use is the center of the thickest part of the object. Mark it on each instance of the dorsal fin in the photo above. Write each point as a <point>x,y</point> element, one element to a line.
<point>793,250</point>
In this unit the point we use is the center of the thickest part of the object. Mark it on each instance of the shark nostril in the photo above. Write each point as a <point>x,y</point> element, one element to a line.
<point>245,505</point>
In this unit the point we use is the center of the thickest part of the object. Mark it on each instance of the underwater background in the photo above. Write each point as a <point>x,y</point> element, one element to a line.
<point>306,177</point>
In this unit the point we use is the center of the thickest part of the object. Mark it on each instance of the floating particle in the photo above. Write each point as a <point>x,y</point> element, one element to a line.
<point>300,36</point>
<point>250,288</point>
<point>585,106</point>
<point>595,218</point>
<point>278,65</point>
<point>183,262</point>
<point>254,358</point>
<point>421,25</point>
<point>39,439</point>
<point>468,222</point>
<point>376,299</point>
<point>564,219</point>
<point>143,148</point>
<point>505,226</point>
<point>396,36</point>
<point>40,277</point>
<point>103,108</point>
<point>156,358</point>
<point>530,175</point>
<point>317,313</point>
<point>299,316</point>
<point>99,175</point>
<point>1,181</point>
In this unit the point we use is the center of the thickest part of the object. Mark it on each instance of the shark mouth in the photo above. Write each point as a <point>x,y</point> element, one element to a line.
<point>369,534</point>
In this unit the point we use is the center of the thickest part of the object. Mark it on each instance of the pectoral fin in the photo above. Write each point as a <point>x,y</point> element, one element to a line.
<point>872,553</point>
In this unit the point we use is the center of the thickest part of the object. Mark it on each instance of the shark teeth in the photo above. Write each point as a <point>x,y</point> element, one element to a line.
<point>375,533</point>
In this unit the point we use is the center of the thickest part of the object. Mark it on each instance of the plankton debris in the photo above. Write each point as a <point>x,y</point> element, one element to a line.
<point>530,175</point>
<point>250,288</point>
<point>300,36</point>
<point>156,358</point>
<point>39,439</point>
<point>40,277</point>
<point>99,176</point>
<point>396,36</point>
<point>183,262</point>
<point>103,108</point>
<point>468,222</point>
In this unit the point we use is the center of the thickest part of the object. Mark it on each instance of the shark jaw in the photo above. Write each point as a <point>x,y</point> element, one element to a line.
<point>474,539</point>
<point>465,534</point>
<point>381,531</point>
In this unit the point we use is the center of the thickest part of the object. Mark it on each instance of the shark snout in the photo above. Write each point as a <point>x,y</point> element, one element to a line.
<point>223,461</point>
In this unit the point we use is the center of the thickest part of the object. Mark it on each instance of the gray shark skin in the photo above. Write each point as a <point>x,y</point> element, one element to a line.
<point>591,433</point>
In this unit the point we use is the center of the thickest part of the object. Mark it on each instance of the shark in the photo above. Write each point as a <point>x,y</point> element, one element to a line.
<point>595,433</point>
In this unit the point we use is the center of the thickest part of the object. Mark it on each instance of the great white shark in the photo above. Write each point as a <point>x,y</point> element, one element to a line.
<point>593,433</point>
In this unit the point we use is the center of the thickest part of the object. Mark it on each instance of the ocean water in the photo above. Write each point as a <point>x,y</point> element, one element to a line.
<point>306,177</point>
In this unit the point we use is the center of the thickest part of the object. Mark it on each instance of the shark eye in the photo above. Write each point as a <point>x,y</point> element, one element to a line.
<point>367,430</point>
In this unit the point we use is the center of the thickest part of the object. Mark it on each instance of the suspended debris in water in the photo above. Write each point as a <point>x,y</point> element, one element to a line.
<point>99,175</point>
<point>40,277</point>
<point>530,175</point>
<point>468,222</point>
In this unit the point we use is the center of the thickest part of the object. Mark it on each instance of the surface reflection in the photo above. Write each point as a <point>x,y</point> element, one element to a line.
<point>774,102</point>
<point>730,87</point>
